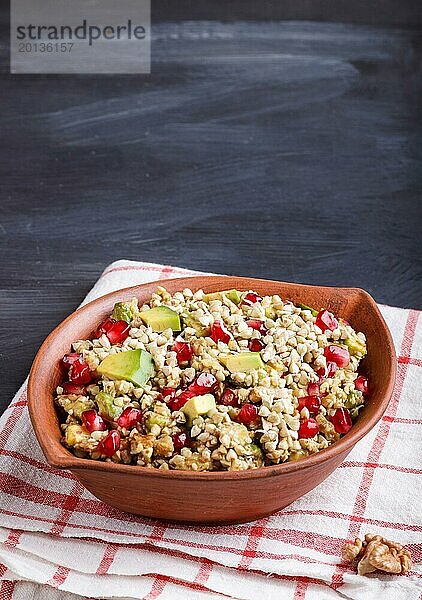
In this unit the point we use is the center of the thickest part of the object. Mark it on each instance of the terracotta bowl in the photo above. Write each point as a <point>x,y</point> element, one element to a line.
<point>223,497</point>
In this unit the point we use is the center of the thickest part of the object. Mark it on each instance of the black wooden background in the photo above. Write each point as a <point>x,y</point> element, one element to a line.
<point>286,150</point>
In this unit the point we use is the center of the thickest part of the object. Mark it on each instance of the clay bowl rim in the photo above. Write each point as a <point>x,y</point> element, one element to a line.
<point>59,457</point>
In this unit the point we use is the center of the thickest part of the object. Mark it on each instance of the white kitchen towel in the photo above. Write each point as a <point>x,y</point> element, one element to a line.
<point>58,542</point>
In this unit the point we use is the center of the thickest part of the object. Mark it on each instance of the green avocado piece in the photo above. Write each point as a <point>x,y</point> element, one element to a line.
<point>355,346</point>
<point>161,318</point>
<point>270,312</point>
<point>106,406</point>
<point>122,312</point>
<point>232,295</point>
<point>242,362</point>
<point>136,366</point>
<point>76,435</point>
<point>191,321</point>
<point>256,453</point>
<point>198,405</point>
<point>155,419</point>
<point>354,399</point>
<point>80,406</point>
<point>306,307</point>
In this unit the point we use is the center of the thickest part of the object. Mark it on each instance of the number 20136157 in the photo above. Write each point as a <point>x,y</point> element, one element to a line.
<point>45,46</point>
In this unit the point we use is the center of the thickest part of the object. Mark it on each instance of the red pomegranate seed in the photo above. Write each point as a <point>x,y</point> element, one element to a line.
<point>92,421</point>
<point>168,393</point>
<point>79,372</point>
<point>312,403</point>
<point>181,440</point>
<point>342,420</point>
<point>177,402</point>
<point>250,298</point>
<point>184,352</point>
<point>258,325</point>
<point>308,429</point>
<point>69,359</point>
<point>326,320</point>
<point>116,331</point>
<point>256,345</point>
<point>73,388</point>
<point>129,417</point>
<point>229,398</point>
<point>205,383</point>
<point>104,327</point>
<point>313,389</point>
<point>248,414</point>
<point>329,371</point>
<point>338,355</point>
<point>110,444</point>
<point>361,384</point>
<point>219,332</point>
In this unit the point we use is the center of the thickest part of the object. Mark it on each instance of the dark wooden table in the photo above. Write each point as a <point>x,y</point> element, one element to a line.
<point>283,150</point>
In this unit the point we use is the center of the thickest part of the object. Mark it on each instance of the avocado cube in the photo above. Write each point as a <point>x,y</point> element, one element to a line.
<point>270,312</point>
<point>81,405</point>
<point>76,435</point>
<point>354,398</point>
<point>122,312</point>
<point>136,366</point>
<point>242,362</point>
<point>106,406</point>
<point>160,318</point>
<point>198,405</point>
<point>306,307</point>
<point>355,346</point>
<point>155,419</point>
<point>232,295</point>
<point>191,321</point>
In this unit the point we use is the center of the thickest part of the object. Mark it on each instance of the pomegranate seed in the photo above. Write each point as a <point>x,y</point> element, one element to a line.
<point>110,444</point>
<point>258,325</point>
<point>338,355</point>
<point>168,393</point>
<point>256,345</point>
<point>184,352</point>
<point>308,429</point>
<point>205,383</point>
<point>73,388</point>
<point>69,359</point>
<point>248,414</point>
<point>177,402</point>
<point>92,421</point>
<point>104,327</point>
<point>329,371</point>
<point>116,331</point>
<point>250,298</point>
<point>229,398</point>
<point>342,420</point>
<point>181,440</point>
<point>79,372</point>
<point>312,403</point>
<point>129,417</point>
<point>361,384</point>
<point>326,320</point>
<point>219,332</point>
<point>313,389</point>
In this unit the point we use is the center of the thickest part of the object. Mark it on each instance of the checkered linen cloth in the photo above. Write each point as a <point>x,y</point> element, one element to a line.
<point>57,540</point>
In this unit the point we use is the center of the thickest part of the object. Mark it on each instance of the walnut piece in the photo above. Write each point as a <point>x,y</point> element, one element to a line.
<point>376,553</point>
<point>351,551</point>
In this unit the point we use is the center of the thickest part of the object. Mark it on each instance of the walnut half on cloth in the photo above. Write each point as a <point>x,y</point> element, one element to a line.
<point>376,553</point>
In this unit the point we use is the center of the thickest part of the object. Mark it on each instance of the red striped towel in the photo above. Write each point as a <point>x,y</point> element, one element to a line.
<point>57,540</point>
